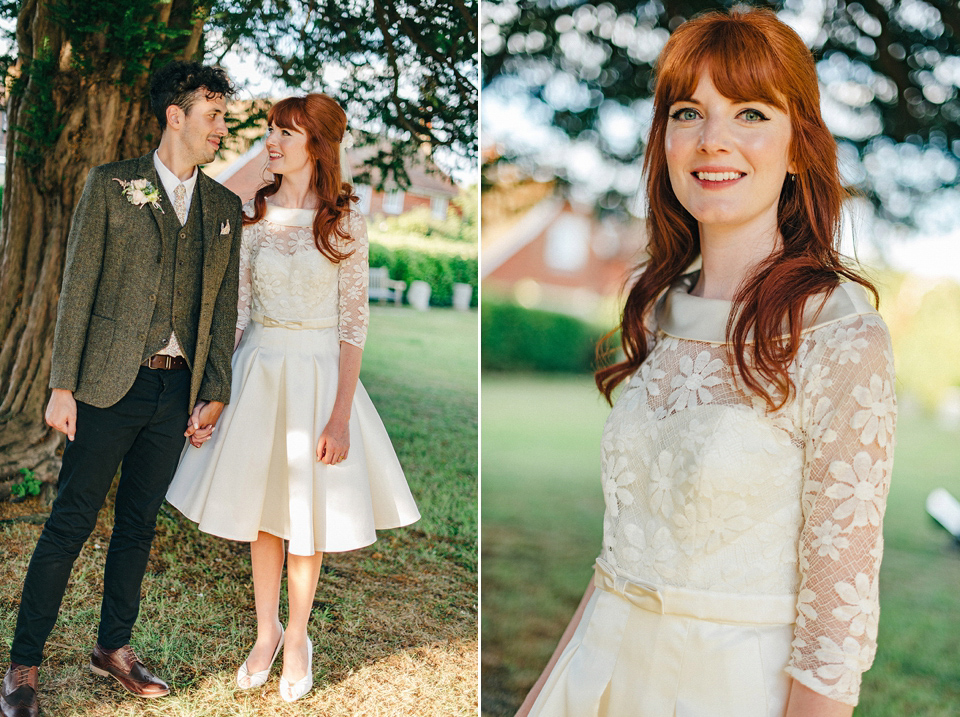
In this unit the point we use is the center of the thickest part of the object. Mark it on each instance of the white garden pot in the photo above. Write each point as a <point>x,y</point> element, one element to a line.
<point>462,296</point>
<point>419,295</point>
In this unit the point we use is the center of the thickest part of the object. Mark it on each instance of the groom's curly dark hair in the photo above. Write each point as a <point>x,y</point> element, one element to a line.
<point>177,83</point>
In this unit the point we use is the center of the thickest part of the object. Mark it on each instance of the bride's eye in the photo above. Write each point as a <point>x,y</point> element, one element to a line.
<point>685,114</point>
<point>753,116</point>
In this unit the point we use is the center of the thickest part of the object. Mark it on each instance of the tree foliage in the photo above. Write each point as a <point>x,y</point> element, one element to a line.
<point>406,71</point>
<point>406,68</point>
<point>889,71</point>
<point>77,77</point>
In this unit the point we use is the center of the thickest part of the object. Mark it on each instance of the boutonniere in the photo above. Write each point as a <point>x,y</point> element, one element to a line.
<point>139,192</point>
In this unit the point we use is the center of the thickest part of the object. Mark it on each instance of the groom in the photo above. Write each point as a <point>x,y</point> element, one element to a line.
<point>145,328</point>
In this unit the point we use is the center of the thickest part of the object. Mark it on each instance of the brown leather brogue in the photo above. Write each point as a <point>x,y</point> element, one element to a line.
<point>18,696</point>
<point>125,666</point>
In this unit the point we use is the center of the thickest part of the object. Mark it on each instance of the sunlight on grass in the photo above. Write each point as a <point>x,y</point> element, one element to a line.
<point>542,514</point>
<point>394,625</point>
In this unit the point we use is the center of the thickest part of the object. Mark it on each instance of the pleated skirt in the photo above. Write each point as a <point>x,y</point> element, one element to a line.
<point>659,651</point>
<point>259,471</point>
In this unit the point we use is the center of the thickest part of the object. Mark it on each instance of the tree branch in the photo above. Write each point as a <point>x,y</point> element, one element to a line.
<point>414,36</point>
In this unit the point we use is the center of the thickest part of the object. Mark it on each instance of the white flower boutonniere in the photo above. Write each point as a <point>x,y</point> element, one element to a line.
<point>139,192</point>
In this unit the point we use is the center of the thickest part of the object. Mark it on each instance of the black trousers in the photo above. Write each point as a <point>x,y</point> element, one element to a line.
<point>144,432</point>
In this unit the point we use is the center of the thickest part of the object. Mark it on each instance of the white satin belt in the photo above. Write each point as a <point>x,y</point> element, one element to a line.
<point>325,323</point>
<point>702,604</point>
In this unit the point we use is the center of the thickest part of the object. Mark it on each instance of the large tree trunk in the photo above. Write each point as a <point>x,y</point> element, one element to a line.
<point>102,121</point>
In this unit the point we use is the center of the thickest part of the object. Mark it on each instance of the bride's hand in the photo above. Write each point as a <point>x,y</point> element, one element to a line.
<point>201,436</point>
<point>334,443</point>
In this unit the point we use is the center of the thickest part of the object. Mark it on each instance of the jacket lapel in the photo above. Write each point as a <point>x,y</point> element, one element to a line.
<point>211,229</point>
<point>216,249</point>
<point>147,170</point>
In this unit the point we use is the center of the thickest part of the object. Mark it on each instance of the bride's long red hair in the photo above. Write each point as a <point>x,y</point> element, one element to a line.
<point>324,122</point>
<point>751,56</point>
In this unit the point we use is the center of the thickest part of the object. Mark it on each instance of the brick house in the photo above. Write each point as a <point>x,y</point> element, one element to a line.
<point>245,174</point>
<point>559,256</point>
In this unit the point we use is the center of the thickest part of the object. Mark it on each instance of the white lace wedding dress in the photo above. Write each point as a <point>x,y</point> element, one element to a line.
<point>259,471</point>
<point>740,548</point>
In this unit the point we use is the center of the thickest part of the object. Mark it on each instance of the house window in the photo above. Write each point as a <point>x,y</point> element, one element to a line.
<point>393,202</point>
<point>568,243</point>
<point>364,193</point>
<point>438,208</point>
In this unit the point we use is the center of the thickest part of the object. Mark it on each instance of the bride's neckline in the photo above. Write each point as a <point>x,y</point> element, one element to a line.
<point>290,217</point>
<point>686,316</point>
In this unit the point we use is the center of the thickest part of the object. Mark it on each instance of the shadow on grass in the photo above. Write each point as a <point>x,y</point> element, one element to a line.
<point>393,627</point>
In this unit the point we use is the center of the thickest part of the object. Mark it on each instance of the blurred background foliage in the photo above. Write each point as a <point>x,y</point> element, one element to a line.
<point>581,72</point>
<point>566,87</point>
<point>514,338</point>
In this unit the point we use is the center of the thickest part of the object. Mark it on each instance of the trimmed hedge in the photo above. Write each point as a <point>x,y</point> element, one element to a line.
<point>441,271</point>
<point>513,338</point>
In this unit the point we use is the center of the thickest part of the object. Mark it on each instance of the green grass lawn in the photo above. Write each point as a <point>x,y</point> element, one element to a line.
<point>394,625</point>
<point>541,514</point>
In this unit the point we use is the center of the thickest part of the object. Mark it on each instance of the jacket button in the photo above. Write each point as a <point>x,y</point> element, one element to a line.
<point>183,235</point>
<point>153,297</point>
<point>142,337</point>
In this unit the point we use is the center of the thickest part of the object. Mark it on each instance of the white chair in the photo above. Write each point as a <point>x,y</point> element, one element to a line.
<point>383,288</point>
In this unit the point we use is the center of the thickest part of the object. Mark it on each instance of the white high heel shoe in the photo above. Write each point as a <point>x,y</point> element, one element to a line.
<point>247,680</point>
<point>292,693</point>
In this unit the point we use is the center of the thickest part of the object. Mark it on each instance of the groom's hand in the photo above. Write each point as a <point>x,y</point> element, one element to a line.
<point>202,421</point>
<point>61,412</point>
<point>210,413</point>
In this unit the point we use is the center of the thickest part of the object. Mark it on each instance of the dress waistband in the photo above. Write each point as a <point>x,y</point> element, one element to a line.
<point>328,322</point>
<point>701,604</point>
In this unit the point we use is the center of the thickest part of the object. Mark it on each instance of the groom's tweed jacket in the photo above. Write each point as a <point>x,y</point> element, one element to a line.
<point>116,296</point>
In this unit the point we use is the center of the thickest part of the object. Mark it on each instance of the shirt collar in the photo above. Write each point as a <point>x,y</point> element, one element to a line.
<point>170,180</point>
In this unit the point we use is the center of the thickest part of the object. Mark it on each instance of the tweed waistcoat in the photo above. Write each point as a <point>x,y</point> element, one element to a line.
<point>115,261</point>
<point>178,296</point>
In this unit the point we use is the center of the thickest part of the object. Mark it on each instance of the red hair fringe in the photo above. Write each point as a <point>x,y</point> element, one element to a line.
<point>324,122</point>
<point>750,55</point>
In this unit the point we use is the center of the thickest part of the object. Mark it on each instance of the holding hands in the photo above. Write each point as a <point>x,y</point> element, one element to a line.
<point>202,421</point>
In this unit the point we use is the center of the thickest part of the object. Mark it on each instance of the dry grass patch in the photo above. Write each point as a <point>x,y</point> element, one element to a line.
<point>394,629</point>
<point>394,626</point>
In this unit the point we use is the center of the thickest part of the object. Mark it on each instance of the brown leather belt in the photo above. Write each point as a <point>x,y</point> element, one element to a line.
<point>163,361</point>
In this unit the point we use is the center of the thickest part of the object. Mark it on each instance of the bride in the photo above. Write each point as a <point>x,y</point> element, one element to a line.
<point>747,460</point>
<point>300,453</point>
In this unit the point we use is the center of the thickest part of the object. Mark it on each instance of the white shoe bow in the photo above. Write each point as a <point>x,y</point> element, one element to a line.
<point>292,693</point>
<point>248,680</point>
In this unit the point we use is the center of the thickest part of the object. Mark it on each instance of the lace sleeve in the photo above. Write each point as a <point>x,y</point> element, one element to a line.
<point>245,295</point>
<point>353,275</point>
<point>849,414</point>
